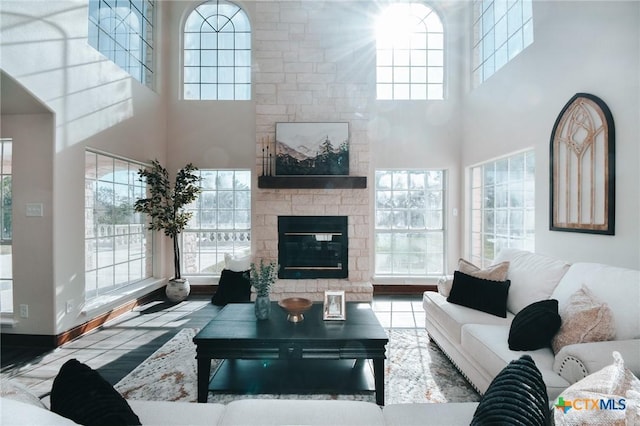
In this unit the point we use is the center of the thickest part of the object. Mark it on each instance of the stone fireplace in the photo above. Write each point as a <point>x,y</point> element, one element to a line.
<point>312,81</point>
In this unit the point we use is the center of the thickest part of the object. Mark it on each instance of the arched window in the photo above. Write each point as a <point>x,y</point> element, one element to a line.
<point>410,53</point>
<point>217,52</point>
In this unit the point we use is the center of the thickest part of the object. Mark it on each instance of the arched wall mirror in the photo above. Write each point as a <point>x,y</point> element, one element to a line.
<point>582,167</point>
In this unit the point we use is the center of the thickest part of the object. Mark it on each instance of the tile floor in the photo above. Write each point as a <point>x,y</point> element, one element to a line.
<point>116,348</point>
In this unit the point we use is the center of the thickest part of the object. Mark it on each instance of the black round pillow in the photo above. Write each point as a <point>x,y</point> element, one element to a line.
<point>534,326</point>
<point>516,396</point>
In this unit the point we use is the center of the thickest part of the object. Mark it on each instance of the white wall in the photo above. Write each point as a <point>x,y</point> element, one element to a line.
<point>211,134</point>
<point>32,173</point>
<point>94,104</point>
<point>591,47</point>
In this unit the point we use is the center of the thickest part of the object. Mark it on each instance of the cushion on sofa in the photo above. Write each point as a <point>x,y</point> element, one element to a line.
<point>450,317</point>
<point>517,395</point>
<point>615,385</point>
<point>277,412</point>
<point>177,413</point>
<point>486,345</point>
<point>584,319</point>
<point>477,293</point>
<point>421,414</point>
<point>81,394</point>
<point>534,326</point>
<point>533,276</point>
<point>18,392</point>
<point>18,413</point>
<point>608,283</point>
<point>233,287</point>
<point>495,272</point>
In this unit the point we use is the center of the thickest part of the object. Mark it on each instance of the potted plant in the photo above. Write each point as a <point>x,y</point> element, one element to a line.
<point>165,208</point>
<point>262,278</point>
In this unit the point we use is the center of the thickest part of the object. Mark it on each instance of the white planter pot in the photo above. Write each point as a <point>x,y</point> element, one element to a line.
<point>178,290</point>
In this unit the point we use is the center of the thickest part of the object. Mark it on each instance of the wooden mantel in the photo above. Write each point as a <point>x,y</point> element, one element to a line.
<point>313,182</point>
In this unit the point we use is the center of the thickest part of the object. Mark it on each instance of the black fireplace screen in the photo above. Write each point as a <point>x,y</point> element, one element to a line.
<point>313,247</point>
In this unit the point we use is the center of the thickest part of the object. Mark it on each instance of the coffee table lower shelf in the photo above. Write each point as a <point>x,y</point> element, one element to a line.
<point>307,376</point>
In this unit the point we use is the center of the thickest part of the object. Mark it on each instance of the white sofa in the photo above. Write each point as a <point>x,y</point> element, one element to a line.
<point>477,342</point>
<point>271,412</point>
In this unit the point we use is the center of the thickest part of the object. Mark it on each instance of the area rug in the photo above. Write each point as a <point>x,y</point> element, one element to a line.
<point>416,370</point>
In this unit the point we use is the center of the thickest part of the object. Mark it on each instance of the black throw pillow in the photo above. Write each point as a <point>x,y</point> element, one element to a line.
<point>534,326</point>
<point>477,293</point>
<point>81,394</point>
<point>516,396</point>
<point>233,287</point>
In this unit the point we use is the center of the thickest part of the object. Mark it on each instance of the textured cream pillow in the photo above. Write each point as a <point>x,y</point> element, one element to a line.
<point>497,272</point>
<point>584,319</point>
<point>614,385</point>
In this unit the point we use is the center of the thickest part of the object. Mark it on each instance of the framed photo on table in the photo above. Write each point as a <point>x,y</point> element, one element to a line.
<point>334,306</point>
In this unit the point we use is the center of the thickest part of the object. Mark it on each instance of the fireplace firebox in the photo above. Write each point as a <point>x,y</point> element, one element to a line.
<point>313,247</point>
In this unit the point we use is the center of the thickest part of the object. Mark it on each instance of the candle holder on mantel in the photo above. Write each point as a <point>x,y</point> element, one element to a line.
<point>268,155</point>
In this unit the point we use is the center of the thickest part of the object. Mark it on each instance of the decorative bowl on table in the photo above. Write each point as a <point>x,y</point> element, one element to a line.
<point>295,307</point>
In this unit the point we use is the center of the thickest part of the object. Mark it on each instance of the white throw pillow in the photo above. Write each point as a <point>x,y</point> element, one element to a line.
<point>237,264</point>
<point>533,276</point>
<point>444,285</point>
<point>615,385</point>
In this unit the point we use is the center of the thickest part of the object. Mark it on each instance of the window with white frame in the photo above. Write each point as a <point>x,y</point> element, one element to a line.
<point>409,53</point>
<point>122,30</point>
<point>501,30</point>
<point>6,223</point>
<point>502,206</point>
<point>118,245</point>
<point>409,223</point>
<point>220,224</point>
<point>217,52</point>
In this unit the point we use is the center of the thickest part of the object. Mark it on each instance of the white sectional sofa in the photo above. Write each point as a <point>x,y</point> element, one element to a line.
<point>273,412</point>
<point>477,342</point>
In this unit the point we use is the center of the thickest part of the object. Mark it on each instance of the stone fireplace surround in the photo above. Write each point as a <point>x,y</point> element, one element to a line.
<point>308,79</point>
<point>354,203</point>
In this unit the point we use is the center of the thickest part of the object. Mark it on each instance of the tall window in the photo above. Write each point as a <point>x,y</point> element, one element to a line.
<point>502,206</point>
<point>501,30</point>
<point>118,248</point>
<point>217,53</point>
<point>409,222</point>
<point>6,230</point>
<point>410,53</point>
<point>221,222</point>
<point>122,30</point>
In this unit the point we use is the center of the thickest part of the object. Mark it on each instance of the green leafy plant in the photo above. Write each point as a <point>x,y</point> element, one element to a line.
<point>166,203</point>
<point>263,276</point>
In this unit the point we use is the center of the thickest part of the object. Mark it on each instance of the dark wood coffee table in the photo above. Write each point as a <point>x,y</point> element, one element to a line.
<point>278,356</point>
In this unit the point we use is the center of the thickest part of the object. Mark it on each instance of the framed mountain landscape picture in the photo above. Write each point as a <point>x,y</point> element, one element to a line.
<point>312,149</point>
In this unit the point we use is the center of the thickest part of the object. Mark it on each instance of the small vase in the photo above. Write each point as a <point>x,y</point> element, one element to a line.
<point>178,290</point>
<point>262,307</point>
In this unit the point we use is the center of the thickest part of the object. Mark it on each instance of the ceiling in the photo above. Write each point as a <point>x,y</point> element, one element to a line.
<point>14,99</point>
